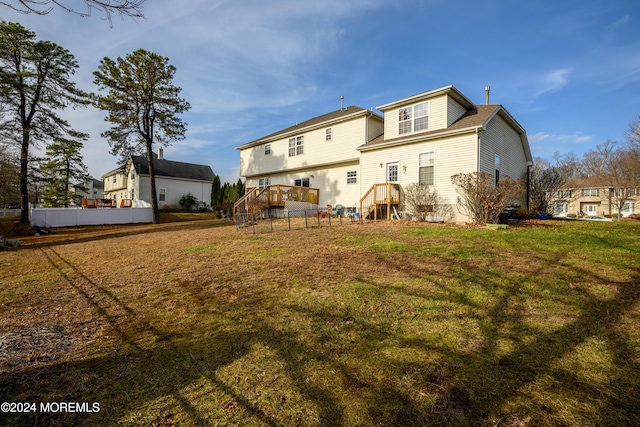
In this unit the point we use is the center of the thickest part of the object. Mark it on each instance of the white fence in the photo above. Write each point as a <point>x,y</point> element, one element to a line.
<point>66,217</point>
<point>9,212</point>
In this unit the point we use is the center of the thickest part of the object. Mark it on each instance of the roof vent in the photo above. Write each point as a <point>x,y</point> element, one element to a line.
<point>342,102</point>
<point>487,89</point>
<point>160,153</point>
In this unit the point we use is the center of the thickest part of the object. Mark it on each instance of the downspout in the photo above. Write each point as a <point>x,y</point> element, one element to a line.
<point>478,153</point>
<point>529,191</point>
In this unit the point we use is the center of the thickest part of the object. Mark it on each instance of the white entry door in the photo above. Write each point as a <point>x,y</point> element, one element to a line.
<point>590,209</point>
<point>393,172</point>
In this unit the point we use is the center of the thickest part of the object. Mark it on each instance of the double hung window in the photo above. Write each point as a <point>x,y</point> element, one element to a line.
<point>414,118</point>
<point>426,168</point>
<point>296,146</point>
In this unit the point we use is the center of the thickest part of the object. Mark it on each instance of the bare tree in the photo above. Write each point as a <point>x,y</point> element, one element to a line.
<point>633,134</point>
<point>623,178</point>
<point>545,180</point>
<point>424,201</point>
<point>132,8</point>
<point>568,164</point>
<point>481,200</point>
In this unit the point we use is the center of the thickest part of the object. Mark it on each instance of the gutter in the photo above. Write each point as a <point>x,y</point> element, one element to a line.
<point>419,138</point>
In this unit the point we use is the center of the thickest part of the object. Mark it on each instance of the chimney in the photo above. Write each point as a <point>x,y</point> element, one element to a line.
<point>487,89</point>
<point>160,153</point>
<point>342,103</point>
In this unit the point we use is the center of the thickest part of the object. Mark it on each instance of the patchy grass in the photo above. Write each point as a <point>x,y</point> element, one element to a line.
<point>195,323</point>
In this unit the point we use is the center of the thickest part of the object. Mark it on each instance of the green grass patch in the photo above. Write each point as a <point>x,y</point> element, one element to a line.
<point>358,325</point>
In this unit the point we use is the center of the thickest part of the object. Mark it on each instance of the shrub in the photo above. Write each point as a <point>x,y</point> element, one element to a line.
<point>423,201</point>
<point>188,201</point>
<point>481,199</point>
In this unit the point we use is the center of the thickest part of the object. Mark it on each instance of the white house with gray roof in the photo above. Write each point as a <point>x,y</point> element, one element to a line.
<point>173,180</point>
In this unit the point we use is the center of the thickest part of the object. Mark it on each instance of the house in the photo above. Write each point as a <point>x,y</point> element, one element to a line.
<point>595,196</point>
<point>92,189</point>
<point>173,180</point>
<point>360,159</point>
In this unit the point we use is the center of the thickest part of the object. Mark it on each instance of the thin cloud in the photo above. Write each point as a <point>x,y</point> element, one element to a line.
<point>576,137</point>
<point>554,81</point>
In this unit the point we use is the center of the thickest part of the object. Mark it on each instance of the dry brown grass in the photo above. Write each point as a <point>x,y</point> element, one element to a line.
<point>195,323</point>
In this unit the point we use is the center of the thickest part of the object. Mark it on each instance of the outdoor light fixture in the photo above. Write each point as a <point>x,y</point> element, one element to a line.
<point>380,164</point>
<point>404,168</point>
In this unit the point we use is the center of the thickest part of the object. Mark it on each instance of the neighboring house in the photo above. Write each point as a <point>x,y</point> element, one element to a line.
<point>91,189</point>
<point>173,180</point>
<point>357,158</point>
<point>595,196</point>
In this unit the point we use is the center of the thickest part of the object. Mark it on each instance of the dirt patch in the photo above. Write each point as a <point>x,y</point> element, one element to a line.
<point>32,346</point>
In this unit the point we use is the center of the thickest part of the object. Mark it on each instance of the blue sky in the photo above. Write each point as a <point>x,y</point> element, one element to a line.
<point>568,71</point>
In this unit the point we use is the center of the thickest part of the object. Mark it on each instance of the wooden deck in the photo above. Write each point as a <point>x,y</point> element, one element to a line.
<point>261,199</point>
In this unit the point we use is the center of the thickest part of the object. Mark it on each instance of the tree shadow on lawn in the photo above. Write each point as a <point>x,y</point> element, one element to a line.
<point>495,380</point>
<point>71,235</point>
<point>199,379</point>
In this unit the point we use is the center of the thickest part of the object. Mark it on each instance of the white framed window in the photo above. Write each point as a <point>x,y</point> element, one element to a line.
<point>404,120</point>
<point>497,167</point>
<point>414,118</point>
<point>562,194</point>
<point>352,177</point>
<point>267,149</point>
<point>162,195</point>
<point>114,178</point>
<point>264,182</point>
<point>560,208</point>
<point>133,176</point>
<point>590,192</point>
<point>328,134</point>
<point>421,117</point>
<point>301,182</point>
<point>426,168</point>
<point>628,208</point>
<point>296,146</point>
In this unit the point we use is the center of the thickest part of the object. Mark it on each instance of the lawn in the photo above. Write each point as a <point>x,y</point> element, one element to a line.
<point>196,323</point>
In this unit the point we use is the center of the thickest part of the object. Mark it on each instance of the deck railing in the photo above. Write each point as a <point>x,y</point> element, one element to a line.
<point>258,199</point>
<point>380,194</point>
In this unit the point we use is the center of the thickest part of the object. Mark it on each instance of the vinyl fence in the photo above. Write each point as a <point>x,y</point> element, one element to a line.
<point>9,212</point>
<point>67,217</point>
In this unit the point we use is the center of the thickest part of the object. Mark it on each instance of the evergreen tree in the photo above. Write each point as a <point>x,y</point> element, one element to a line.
<point>216,192</point>
<point>34,84</point>
<point>143,106</point>
<point>62,166</point>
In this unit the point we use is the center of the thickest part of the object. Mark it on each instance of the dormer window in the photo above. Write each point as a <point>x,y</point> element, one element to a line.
<point>414,118</point>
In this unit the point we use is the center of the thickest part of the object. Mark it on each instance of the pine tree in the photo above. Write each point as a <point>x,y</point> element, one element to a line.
<point>34,84</point>
<point>143,106</point>
<point>62,166</point>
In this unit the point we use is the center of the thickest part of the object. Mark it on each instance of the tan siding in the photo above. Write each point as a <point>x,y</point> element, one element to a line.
<point>453,155</point>
<point>438,113</point>
<point>454,111</point>
<point>437,110</point>
<point>346,137</point>
<point>375,127</point>
<point>501,139</point>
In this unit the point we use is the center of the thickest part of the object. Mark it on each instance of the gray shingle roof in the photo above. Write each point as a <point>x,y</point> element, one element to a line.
<point>173,169</point>
<point>325,118</point>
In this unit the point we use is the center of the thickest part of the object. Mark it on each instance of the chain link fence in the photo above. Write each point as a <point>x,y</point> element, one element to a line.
<point>291,220</point>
